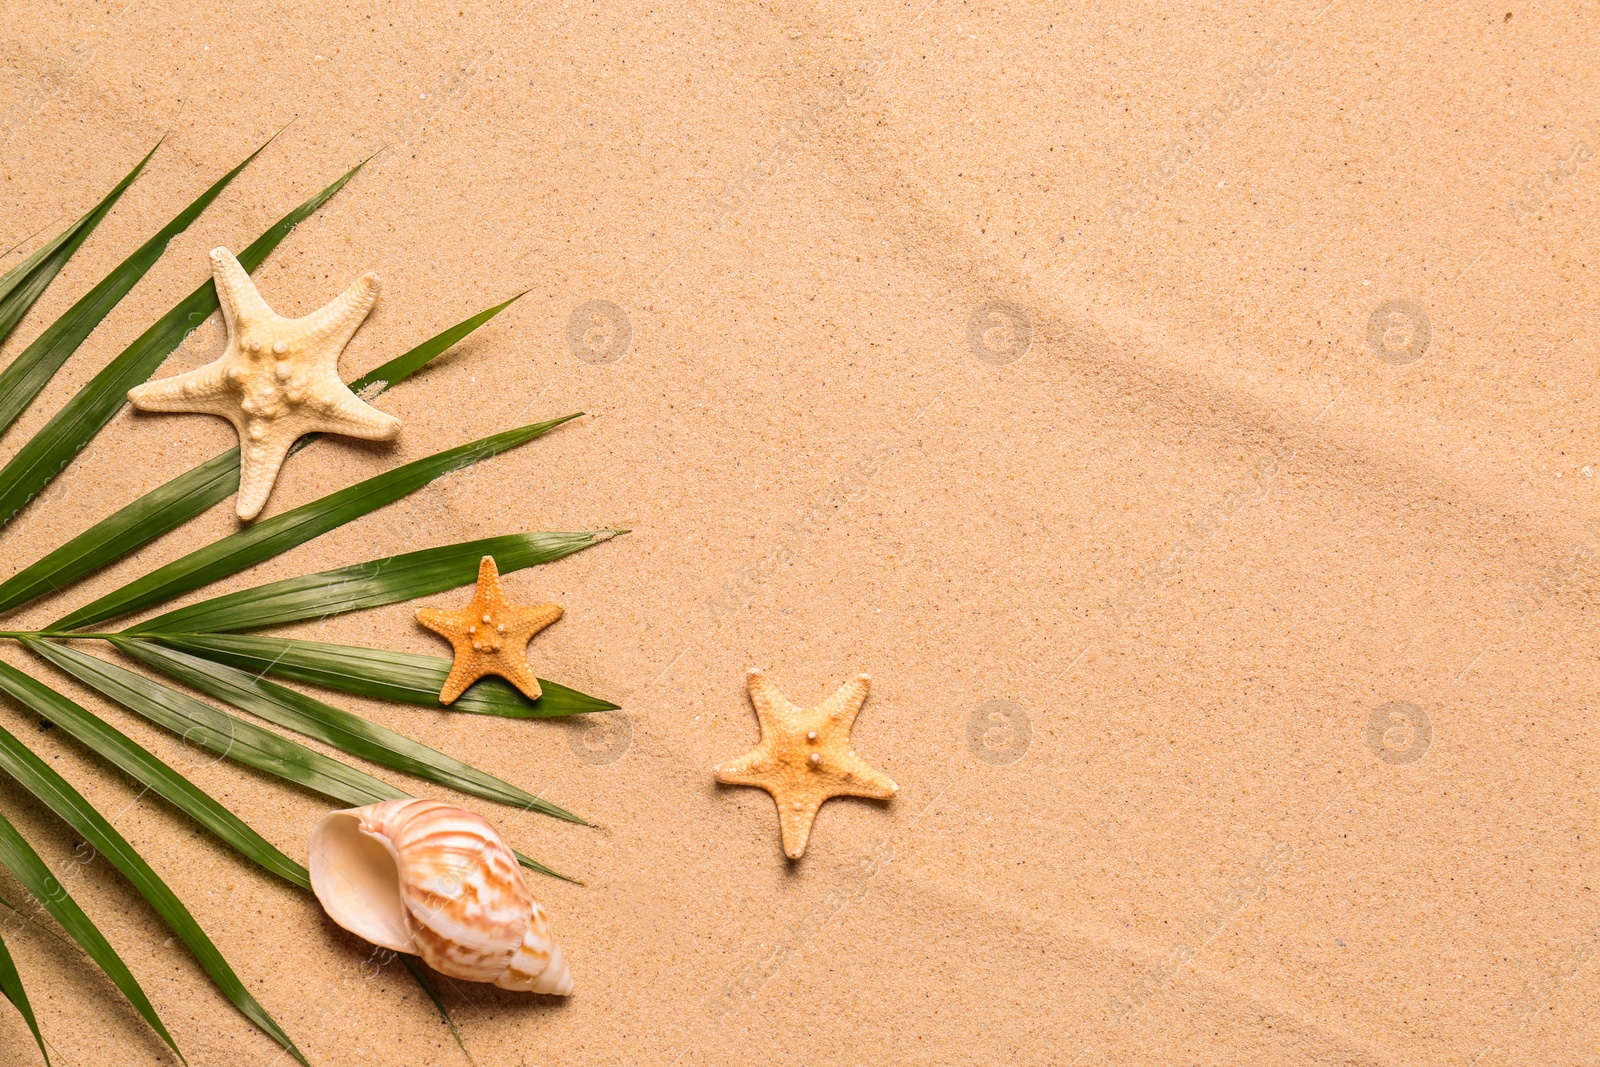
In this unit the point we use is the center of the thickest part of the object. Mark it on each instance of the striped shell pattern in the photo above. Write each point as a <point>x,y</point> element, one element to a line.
<point>428,878</point>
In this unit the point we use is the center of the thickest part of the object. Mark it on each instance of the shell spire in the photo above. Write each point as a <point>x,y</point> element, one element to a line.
<point>428,878</point>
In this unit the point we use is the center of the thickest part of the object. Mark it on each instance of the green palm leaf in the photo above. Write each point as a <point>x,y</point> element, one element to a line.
<point>193,646</point>
<point>334,726</point>
<point>230,736</point>
<point>113,745</point>
<point>144,767</point>
<point>381,674</point>
<point>37,777</point>
<point>227,735</point>
<point>21,381</point>
<point>282,532</point>
<point>157,512</point>
<point>415,968</point>
<point>404,366</point>
<point>53,447</point>
<point>176,789</point>
<point>189,494</point>
<point>11,986</point>
<point>24,283</point>
<point>368,585</point>
<point>18,857</point>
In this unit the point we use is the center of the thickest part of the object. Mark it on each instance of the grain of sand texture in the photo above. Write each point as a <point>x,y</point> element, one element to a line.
<point>1186,413</point>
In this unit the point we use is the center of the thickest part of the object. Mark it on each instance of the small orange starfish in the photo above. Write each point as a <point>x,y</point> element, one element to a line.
<point>805,757</point>
<point>490,636</point>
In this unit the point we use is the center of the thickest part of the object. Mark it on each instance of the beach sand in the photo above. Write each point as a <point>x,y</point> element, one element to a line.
<point>1186,415</point>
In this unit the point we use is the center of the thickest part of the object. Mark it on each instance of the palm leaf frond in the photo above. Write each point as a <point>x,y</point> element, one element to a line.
<point>381,674</point>
<point>39,779</point>
<point>232,737</point>
<point>23,284</point>
<point>415,967</point>
<point>334,726</point>
<point>169,506</point>
<point>368,585</point>
<point>52,448</point>
<point>194,646</point>
<point>198,723</point>
<point>386,377</point>
<point>117,748</point>
<point>282,532</point>
<point>21,381</point>
<point>11,987</point>
<point>159,511</point>
<point>18,857</point>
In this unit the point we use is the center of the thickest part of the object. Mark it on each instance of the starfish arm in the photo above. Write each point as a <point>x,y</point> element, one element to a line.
<point>795,819</point>
<point>462,674</point>
<point>846,701</point>
<point>203,390</point>
<point>771,706</point>
<point>259,463</point>
<point>746,770</point>
<point>496,648</point>
<point>336,322</point>
<point>860,779</point>
<point>345,413</point>
<point>242,305</point>
<point>529,621</point>
<point>513,667</point>
<point>441,622</point>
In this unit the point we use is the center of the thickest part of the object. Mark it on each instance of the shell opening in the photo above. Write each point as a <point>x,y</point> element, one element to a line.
<point>356,878</point>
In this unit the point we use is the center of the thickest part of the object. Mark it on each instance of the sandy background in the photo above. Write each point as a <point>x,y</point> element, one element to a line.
<point>1024,358</point>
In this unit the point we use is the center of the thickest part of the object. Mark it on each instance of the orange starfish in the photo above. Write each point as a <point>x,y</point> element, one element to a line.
<point>805,757</point>
<point>490,636</point>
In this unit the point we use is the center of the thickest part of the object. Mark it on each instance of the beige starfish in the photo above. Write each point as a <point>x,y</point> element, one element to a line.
<point>490,636</point>
<point>277,380</point>
<point>805,756</point>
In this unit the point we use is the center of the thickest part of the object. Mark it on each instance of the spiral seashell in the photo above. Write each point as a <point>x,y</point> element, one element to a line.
<point>428,878</point>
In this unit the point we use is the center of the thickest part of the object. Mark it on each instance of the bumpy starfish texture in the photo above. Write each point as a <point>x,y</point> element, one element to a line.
<point>805,757</point>
<point>277,380</point>
<point>490,636</point>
